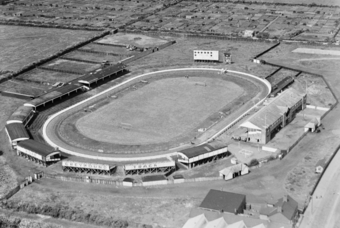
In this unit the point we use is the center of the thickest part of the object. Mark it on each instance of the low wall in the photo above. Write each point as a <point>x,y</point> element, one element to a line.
<point>11,193</point>
<point>270,149</point>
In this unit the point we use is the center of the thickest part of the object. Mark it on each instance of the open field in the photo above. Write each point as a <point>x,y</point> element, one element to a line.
<point>47,77</point>
<point>132,39</point>
<point>23,45</point>
<point>324,2</point>
<point>28,88</point>
<point>63,64</point>
<point>93,57</point>
<point>159,111</point>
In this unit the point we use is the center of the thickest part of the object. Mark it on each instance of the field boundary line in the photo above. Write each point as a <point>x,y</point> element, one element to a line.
<point>140,158</point>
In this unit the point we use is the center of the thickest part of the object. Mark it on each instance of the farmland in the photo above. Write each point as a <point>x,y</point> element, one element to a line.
<point>21,46</point>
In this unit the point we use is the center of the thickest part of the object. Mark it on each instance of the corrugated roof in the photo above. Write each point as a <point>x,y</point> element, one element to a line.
<point>198,150</point>
<point>37,147</point>
<point>17,131</point>
<point>97,75</point>
<point>220,200</point>
<point>274,110</point>
<point>153,178</point>
<point>21,113</point>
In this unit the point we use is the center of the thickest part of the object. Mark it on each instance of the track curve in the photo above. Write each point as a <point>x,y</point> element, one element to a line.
<point>122,158</point>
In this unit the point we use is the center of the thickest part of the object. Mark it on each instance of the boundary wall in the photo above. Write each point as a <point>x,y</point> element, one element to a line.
<point>132,80</point>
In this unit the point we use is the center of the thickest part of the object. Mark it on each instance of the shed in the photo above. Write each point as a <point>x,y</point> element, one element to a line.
<point>320,166</point>
<point>16,132</point>
<point>234,171</point>
<point>154,180</point>
<point>128,182</point>
<point>222,201</point>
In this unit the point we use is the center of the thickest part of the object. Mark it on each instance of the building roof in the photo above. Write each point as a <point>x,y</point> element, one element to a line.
<point>196,222</point>
<point>288,205</point>
<point>56,93</point>
<point>199,150</point>
<point>274,110</point>
<point>233,169</point>
<point>129,179</point>
<point>91,161</point>
<point>153,178</point>
<point>222,201</point>
<point>17,131</point>
<point>21,113</point>
<point>37,147</point>
<point>178,176</point>
<point>102,73</point>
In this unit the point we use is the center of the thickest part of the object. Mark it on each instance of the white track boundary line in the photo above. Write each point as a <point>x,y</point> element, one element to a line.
<point>139,158</point>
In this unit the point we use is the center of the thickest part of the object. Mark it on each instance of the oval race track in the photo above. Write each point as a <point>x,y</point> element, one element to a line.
<point>50,125</point>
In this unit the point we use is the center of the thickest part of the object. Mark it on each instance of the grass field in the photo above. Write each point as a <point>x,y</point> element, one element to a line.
<point>93,57</point>
<point>46,76</point>
<point>81,67</point>
<point>23,45</point>
<point>132,39</point>
<point>324,2</point>
<point>159,111</point>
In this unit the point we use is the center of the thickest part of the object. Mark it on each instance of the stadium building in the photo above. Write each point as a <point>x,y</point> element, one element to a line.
<point>86,166</point>
<point>162,166</point>
<point>263,125</point>
<point>203,154</point>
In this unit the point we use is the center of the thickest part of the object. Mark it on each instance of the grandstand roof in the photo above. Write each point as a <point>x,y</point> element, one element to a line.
<point>87,160</point>
<point>20,114</point>
<point>37,147</point>
<point>222,201</point>
<point>198,150</point>
<point>102,73</point>
<point>56,93</point>
<point>17,131</point>
<point>274,110</point>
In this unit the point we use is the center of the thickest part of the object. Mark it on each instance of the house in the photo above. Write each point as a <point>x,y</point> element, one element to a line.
<point>234,171</point>
<point>320,166</point>
<point>222,201</point>
<point>284,211</point>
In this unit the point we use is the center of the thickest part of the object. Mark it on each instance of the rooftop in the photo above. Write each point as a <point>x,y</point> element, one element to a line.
<point>37,147</point>
<point>222,201</point>
<point>17,131</point>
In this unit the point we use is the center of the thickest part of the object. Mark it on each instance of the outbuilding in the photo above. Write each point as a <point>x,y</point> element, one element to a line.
<point>154,180</point>
<point>128,182</point>
<point>38,152</point>
<point>16,132</point>
<point>234,171</point>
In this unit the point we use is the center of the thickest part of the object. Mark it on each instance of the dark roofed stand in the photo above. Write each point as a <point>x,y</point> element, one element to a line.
<point>16,132</point>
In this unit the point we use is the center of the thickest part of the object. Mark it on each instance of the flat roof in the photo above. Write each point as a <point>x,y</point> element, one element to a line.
<point>21,113</point>
<point>17,131</point>
<point>56,93</point>
<point>220,200</point>
<point>37,147</point>
<point>102,73</point>
<point>153,178</point>
<point>199,150</point>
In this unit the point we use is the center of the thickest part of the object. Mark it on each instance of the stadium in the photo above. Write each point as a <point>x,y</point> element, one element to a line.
<point>153,115</point>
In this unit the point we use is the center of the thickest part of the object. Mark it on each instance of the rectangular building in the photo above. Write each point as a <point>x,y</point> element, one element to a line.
<point>263,125</point>
<point>206,55</point>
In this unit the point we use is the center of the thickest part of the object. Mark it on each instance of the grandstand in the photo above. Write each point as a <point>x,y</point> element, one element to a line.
<point>22,115</point>
<point>162,166</point>
<point>101,74</point>
<point>86,166</point>
<point>16,132</point>
<point>37,152</point>
<point>203,154</point>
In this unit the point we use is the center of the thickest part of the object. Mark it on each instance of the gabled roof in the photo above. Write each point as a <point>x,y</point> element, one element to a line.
<point>217,223</point>
<point>37,147</point>
<point>239,224</point>
<point>222,201</point>
<point>289,207</point>
<point>274,110</point>
<point>196,222</point>
<point>17,131</point>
